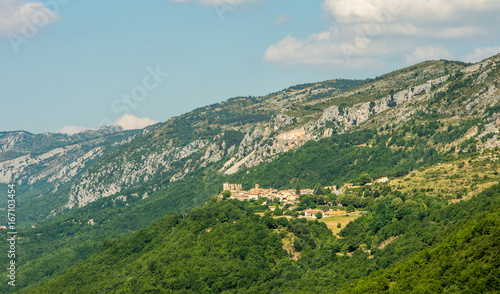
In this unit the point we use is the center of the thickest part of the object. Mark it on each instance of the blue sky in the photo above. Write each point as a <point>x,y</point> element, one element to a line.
<point>67,65</point>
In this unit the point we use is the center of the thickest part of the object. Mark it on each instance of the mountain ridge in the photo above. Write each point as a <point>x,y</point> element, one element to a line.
<point>294,123</point>
<point>435,110</point>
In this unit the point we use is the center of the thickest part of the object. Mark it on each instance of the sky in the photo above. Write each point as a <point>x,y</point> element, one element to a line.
<point>68,65</point>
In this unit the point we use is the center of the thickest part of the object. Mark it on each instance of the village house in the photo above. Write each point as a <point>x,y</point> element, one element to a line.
<point>382,180</point>
<point>241,197</point>
<point>311,213</point>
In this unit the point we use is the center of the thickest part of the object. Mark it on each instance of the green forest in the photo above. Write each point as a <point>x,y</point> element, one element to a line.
<point>64,241</point>
<point>224,247</point>
<point>338,160</point>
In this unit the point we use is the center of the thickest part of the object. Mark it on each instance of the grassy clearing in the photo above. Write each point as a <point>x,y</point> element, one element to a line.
<point>333,221</point>
<point>460,179</point>
<point>288,246</point>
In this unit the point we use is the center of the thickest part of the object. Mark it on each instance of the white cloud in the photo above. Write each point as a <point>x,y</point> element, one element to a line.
<point>351,11</point>
<point>481,53</point>
<point>411,30</point>
<point>16,15</point>
<point>348,47</point>
<point>131,122</point>
<point>127,122</point>
<point>428,53</point>
<point>368,32</point>
<point>71,130</point>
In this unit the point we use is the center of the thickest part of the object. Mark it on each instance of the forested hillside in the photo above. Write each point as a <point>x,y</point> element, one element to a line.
<point>432,128</point>
<point>225,247</point>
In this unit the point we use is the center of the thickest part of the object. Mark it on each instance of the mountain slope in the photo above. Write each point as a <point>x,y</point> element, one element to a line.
<point>465,260</point>
<point>224,248</point>
<point>207,136</point>
<point>244,132</point>
<point>391,125</point>
<point>44,165</point>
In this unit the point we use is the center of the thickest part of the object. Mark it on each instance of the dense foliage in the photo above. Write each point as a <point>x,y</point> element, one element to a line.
<point>337,160</point>
<point>63,241</point>
<point>464,260</point>
<point>416,244</point>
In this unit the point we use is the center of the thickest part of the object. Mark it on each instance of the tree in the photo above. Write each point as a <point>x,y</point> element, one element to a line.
<point>278,212</point>
<point>472,148</point>
<point>222,217</point>
<point>350,208</point>
<point>364,178</point>
<point>297,190</point>
<point>323,207</point>
<point>318,215</point>
<point>396,203</point>
<point>332,198</point>
<point>339,225</point>
<point>372,105</point>
<point>298,244</point>
<point>226,194</point>
<point>318,189</point>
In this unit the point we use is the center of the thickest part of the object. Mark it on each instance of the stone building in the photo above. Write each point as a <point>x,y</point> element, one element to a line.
<point>233,188</point>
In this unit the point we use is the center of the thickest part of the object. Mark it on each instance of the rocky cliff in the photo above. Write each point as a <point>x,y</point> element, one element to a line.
<point>288,119</point>
<point>246,131</point>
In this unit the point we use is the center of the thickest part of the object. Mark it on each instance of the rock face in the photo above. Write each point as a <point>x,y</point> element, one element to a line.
<point>41,164</point>
<point>244,132</point>
<point>262,141</point>
<point>60,164</point>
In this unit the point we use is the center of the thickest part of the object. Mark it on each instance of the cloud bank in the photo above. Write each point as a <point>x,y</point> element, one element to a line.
<point>370,32</point>
<point>132,122</point>
<point>15,16</point>
<point>127,122</point>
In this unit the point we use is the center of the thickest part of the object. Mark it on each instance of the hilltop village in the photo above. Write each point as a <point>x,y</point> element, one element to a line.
<point>287,199</point>
<point>290,196</point>
<point>284,196</point>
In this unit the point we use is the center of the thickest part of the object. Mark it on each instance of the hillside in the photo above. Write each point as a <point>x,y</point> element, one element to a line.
<point>440,104</point>
<point>225,248</point>
<point>400,125</point>
<point>44,165</point>
<point>464,260</point>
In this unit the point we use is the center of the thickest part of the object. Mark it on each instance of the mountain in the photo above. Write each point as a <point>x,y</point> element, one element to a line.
<point>44,165</point>
<point>226,248</point>
<point>245,132</point>
<point>328,133</point>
